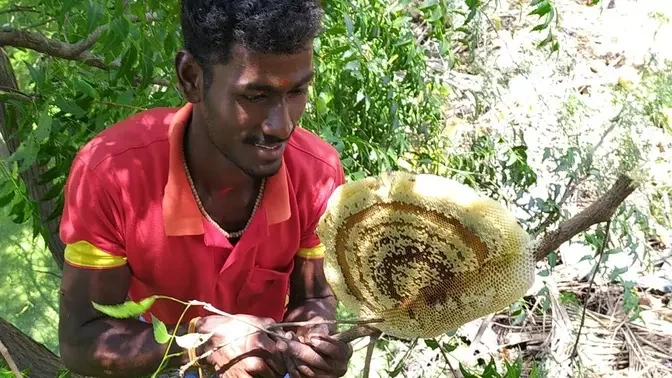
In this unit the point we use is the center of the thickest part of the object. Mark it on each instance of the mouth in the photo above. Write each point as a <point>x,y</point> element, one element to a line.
<point>270,151</point>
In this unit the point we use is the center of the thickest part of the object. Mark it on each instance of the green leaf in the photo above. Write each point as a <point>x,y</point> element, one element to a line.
<point>586,257</point>
<point>471,16</point>
<point>85,88</point>
<point>490,370</point>
<point>352,65</point>
<point>617,272</point>
<point>431,343</point>
<point>54,192</point>
<point>37,76</point>
<point>544,273</point>
<point>465,373</point>
<point>515,370</point>
<point>70,107</point>
<point>7,199</point>
<point>128,309</point>
<point>43,126</point>
<point>127,61</point>
<point>437,14</point>
<point>546,41</point>
<point>146,63</point>
<point>160,331</point>
<point>543,8</point>
<point>19,212</point>
<point>51,174</point>
<point>94,14</point>
<point>547,154</point>
<point>449,347</point>
<point>552,259</point>
<point>64,374</point>
<point>349,26</point>
<point>428,4</point>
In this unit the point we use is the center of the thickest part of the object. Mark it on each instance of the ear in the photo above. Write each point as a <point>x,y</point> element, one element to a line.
<point>190,76</point>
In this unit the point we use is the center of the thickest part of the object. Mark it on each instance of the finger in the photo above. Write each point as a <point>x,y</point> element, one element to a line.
<point>257,367</point>
<point>319,329</point>
<point>307,371</point>
<point>251,362</point>
<point>283,348</point>
<point>331,348</point>
<point>305,354</point>
<point>291,366</point>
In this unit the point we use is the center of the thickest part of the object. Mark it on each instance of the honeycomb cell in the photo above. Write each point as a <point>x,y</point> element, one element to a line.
<point>423,252</point>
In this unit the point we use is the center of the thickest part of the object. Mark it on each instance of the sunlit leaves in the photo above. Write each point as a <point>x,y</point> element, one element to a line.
<point>161,334</point>
<point>128,309</point>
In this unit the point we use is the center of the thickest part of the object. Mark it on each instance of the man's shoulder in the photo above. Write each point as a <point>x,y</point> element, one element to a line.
<point>133,134</point>
<point>308,152</point>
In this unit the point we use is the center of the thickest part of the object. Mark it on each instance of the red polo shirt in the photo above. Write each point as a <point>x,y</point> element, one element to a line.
<point>128,201</point>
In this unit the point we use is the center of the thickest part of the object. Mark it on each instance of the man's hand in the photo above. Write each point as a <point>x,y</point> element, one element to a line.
<point>248,352</point>
<point>314,353</point>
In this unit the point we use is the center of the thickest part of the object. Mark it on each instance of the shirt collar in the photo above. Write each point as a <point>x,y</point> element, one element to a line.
<point>181,215</point>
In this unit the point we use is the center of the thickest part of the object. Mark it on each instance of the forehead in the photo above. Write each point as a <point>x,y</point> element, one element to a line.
<point>249,67</point>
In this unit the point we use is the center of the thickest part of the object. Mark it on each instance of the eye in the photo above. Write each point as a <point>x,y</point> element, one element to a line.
<point>298,91</point>
<point>255,98</point>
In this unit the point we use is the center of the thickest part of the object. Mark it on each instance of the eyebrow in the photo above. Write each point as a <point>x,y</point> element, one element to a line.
<point>269,88</point>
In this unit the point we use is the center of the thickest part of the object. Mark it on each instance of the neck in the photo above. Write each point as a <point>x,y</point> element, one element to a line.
<point>213,174</point>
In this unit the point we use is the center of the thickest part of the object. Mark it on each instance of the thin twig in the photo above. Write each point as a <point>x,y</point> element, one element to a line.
<point>590,286</point>
<point>311,323</point>
<point>456,373</point>
<point>19,8</point>
<point>213,309</point>
<point>16,94</point>
<point>369,354</point>
<point>206,354</point>
<point>10,361</point>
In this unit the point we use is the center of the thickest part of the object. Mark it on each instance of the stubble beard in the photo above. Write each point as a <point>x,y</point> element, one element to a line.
<point>246,170</point>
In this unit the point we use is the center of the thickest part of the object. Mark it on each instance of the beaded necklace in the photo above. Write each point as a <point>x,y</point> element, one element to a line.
<point>230,235</point>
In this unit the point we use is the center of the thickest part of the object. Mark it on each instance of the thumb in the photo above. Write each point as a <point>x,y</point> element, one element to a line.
<point>315,329</point>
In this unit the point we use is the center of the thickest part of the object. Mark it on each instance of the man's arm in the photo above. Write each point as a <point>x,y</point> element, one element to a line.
<point>310,297</point>
<point>96,269</point>
<point>94,344</point>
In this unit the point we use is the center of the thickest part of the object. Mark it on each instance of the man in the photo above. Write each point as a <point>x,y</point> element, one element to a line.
<point>215,201</point>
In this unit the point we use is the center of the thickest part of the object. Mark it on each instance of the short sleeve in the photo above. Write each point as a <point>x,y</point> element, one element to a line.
<point>91,221</point>
<point>311,246</point>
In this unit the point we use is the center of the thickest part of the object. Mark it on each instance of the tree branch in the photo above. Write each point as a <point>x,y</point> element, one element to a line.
<point>369,354</point>
<point>78,51</point>
<point>38,42</point>
<point>14,94</point>
<point>590,287</point>
<point>18,8</point>
<point>10,361</point>
<point>600,211</point>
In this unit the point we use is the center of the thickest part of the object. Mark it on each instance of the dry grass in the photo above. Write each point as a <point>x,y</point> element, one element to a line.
<point>611,343</point>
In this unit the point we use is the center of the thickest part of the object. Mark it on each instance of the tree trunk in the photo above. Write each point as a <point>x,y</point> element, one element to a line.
<point>31,176</point>
<point>28,353</point>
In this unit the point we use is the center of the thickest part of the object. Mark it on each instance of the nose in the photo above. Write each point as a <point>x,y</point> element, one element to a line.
<point>279,122</point>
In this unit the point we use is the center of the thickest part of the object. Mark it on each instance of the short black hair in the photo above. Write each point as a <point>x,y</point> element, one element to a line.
<point>212,27</point>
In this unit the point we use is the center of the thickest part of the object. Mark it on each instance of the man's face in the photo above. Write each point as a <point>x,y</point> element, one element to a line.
<point>253,105</point>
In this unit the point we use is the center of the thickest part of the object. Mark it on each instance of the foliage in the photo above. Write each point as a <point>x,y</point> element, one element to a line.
<point>374,98</point>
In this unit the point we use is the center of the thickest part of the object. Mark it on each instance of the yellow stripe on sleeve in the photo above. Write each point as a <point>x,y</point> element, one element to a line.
<point>86,255</point>
<point>316,252</point>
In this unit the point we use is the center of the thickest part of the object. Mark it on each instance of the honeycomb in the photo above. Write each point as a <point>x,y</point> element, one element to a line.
<point>423,253</point>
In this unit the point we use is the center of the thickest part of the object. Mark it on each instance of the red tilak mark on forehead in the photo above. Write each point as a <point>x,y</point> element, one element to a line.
<point>284,81</point>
